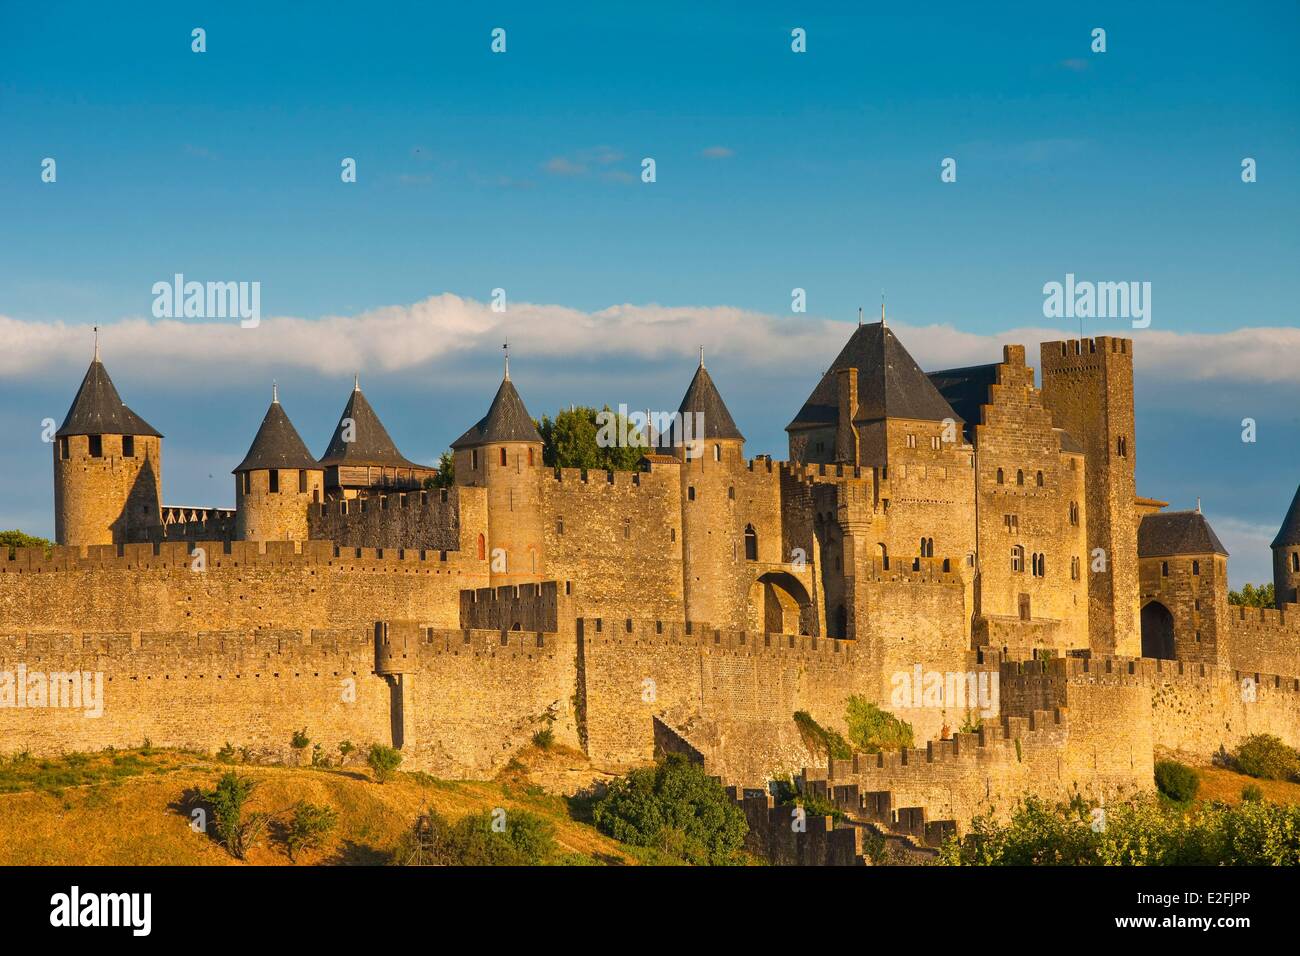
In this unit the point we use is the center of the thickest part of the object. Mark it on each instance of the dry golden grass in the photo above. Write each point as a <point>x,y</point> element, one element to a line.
<point>126,809</point>
<point>1218,783</point>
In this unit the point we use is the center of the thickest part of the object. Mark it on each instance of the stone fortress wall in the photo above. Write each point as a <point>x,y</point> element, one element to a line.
<point>692,605</point>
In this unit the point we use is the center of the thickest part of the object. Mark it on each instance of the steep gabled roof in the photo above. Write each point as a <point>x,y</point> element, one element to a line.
<point>98,409</point>
<point>1289,534</point>
<point>277,445</point>
<point>890,383</point>
<point>702,398</point>
<point>370,445</point>
<point>507,420</point>
<point>1177,532</point>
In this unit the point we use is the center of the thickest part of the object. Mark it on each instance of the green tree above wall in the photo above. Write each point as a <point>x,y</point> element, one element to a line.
<point>1252,596</point>
<point>569,440</point>
<point>17,539</point>
<point>446,476</point>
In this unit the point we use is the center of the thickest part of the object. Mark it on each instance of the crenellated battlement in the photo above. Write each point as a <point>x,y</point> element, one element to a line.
<point>220,554</point>
<point>1082,352</point>
<point>695,635</point>
<point>913,570</point>
<point>1140,672</point>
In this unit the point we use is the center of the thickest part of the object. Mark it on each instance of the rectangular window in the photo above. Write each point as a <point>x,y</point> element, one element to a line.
<point>1196,567</point>
<point>302,482</point>
<point>473,460</point>
<point>247,484</point>
<point>1012,523</point>
<point>96,446</point>
<point>934,442</point>
<point>559,524</point>
<point>63,448</point>
<point>275,481</point>
<point>911,441</point>
<point>128,446</point>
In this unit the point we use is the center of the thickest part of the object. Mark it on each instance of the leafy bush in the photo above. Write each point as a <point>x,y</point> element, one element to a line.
<point>490,838</point>
<point>383,761</point>
<point>226,754</point>
<point>1267,757</point>
<point>1252,792</point>
<point>1177,781</point>
<point>1138,833</point>
<point>544,738</point>
<point>345,751</point>
<point>308,827</point>
<point>818,738</point>
<point>873,730</point>
<point>300,739</point>
<point>226,802</point>
<point>677,808</point>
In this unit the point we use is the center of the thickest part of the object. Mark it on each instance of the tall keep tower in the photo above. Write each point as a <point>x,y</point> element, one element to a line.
<point>1088,386</point>
<point>711,449</point>
<point>502,452</point>
<point>1286,556</point>
<point>277,482</point>
<point>107,468</point>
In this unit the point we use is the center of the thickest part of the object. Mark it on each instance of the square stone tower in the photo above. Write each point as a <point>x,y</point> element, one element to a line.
<point>1088,387</point>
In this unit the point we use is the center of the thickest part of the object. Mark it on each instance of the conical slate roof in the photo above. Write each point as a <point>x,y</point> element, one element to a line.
<point>703,398</point>
<point>1177,532</point>
<point>370,445</point>
<point>890,384</point>
<point>507,420</point>
<point>98,410</point>
<point>1289,534</point>
<point>277,445</point>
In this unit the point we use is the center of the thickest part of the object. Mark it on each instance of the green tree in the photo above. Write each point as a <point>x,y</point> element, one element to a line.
<point>519,838</point>
<point>676,807</point>
<point>575,439</point>
<point>872,730</point>
<point>308,827</point>
<point>17,539</point>
<point>446,476</point>
<point>1251,596</point>
<point>1267,757</point>
<point>226,801</point>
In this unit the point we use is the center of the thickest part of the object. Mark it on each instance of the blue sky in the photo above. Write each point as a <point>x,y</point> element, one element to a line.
<point>775,170</point>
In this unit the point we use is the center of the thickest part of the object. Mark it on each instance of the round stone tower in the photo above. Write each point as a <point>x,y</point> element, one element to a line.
<point>1286,556</point>
<point>704,437</point>
<point>107,468</point>
<point>277,482</point>
<point>503,453</point>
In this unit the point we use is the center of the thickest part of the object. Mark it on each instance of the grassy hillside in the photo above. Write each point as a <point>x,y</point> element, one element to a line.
<point>126,807</point>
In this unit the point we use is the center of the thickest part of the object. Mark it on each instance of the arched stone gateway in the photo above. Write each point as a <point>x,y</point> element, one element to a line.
<point>1157,631</point>
<point>779,603</point>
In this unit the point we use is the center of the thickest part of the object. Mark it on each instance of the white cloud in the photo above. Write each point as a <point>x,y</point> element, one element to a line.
<point>408,337</point>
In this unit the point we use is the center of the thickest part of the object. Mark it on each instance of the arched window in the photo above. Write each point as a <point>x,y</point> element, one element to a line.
<point>927,547</point>
<point>1039,479</point>
<point>751,543</point>
<point>1074,512</point>
<point>1018,559</point>
<point>1164,569</point>
<point>717,453</point>
<point>1001,477</point>
<point>1074,569</point>
<point>1196,567</point>
<point>1039,562</point>
<point>1121,446</point>
<point>1295,560</point>
<point>884,556</point>
<point>482,548</point>
<point>1020,477</point>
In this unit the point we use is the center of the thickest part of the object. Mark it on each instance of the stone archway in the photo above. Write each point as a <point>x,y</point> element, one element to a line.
<point>1157,631</point>
<point>779,603</point>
